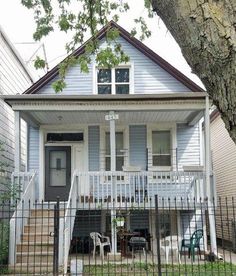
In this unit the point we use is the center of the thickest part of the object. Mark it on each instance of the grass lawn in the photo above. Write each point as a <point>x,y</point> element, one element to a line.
<point>217,268</point>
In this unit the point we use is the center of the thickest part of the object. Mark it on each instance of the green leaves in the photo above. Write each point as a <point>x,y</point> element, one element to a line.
<point>112,34</point>
<point>64,23</point>
<point>59,85</point>
<point>109,58</point>
<point>145,32</point>
<point>39,63</point>
<point>84,61</point>
<point>7,192</point>
<point>43,27</point>
<point>28,3</point>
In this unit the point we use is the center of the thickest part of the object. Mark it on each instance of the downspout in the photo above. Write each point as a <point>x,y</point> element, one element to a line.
<point>211,209</point>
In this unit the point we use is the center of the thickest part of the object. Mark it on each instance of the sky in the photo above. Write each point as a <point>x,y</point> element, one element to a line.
<point>18,24</point>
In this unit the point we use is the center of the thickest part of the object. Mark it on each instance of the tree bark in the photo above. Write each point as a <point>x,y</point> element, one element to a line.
<point>206,33</point>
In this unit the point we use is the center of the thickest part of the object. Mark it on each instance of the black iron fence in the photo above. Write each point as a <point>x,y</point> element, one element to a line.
<point>66,238</point>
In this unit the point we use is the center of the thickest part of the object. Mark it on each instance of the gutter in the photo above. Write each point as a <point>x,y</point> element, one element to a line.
<point>103,98</point>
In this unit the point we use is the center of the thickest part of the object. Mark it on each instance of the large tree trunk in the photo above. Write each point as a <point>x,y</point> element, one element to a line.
<point>206,33</point>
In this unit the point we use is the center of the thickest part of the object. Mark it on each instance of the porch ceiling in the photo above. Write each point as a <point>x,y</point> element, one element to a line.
<point>98,117</point>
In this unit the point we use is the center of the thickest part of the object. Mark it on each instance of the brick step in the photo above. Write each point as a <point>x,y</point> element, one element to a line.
<point>35,247</point>
<point>37,237</point>
<point>34,257</point>
<point>35,228</point>
<point>35,269</point>
<point>41,220</point>
<point>45,213</point>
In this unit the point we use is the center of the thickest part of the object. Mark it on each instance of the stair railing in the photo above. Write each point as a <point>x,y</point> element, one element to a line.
<point>20,217</point>
<point>67,223</point>
<point>19,183</point>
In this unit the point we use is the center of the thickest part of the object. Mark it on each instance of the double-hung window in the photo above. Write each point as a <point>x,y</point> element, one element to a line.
<point>161,148</point>
<point>119,151</point>
<point>113,81</point>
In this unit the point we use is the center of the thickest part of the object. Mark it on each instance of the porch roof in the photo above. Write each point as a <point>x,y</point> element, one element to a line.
<point>91,109</point>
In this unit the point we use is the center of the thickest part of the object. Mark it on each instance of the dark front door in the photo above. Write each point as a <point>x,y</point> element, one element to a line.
<point>57,173</point>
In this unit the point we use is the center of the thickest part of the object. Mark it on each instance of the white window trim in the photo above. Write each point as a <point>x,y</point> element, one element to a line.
<point>162,127</point>
<point>113,83</point>
<point>103,130</point>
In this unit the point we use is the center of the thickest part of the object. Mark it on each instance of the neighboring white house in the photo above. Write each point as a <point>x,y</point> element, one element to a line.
<point>117,137</point>
<point>224,167</point>
<point>14,79</point>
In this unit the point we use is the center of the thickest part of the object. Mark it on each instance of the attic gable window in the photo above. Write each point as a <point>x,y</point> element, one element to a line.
<point>113,81</point>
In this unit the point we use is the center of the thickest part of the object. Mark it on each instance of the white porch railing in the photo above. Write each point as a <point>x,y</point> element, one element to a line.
<point>140,188</point>
<point>21,214</point>
<point>19,182</point>
<point>66,225</point>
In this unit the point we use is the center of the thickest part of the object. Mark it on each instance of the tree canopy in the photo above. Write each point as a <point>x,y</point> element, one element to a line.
<point>205,31</point>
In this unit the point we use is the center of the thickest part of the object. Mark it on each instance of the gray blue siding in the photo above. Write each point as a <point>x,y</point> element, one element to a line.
<point>138,145</point>
<point>148,77</point>
<point>94,148</point>
<point>77,83</point>
<point>188,145</point>
<point>33,149</point>
<point>139,220</point>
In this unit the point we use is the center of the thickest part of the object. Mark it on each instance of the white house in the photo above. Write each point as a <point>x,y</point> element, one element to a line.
<point>116,138</point>
<point>15,78</point>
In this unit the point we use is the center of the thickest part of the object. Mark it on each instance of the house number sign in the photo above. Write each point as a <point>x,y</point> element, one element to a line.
<point>110,117</point>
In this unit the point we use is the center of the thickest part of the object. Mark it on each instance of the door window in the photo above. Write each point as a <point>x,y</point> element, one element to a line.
<point>57,168</point>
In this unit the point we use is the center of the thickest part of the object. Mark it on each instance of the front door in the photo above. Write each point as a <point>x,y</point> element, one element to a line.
<point>57,173</point>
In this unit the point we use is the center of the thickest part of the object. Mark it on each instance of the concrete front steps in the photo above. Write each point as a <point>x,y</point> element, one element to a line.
<point>36,269</point>
<point>34,254</point>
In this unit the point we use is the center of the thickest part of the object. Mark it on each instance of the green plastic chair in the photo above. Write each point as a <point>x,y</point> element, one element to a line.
<point>192,243</point>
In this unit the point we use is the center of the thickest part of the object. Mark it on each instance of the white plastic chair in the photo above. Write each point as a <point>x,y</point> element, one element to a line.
<point>97,241</point>
<point>171,243</point>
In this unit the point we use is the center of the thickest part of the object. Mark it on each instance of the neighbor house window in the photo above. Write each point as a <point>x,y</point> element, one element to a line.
<point>113,81</point>
<point>119,151</point>
<point>161,148</point>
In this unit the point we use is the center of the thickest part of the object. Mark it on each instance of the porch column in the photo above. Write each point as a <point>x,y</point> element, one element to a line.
<point>113,141</point>
<point>17,155</point>
<point>112,117</point>
<point>211,210</point>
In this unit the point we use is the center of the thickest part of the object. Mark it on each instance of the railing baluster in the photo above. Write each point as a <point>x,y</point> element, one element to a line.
<point>125,181</point>
<point>98,191</point>
<point>131,184</point>
<point>147,186</point>
<point>102,191</point>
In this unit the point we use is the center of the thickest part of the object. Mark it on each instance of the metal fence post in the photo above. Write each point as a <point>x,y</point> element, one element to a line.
<point>157,223</point>
<point>56,238</point>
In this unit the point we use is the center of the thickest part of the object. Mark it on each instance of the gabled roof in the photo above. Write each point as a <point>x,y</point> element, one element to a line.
<point>134,42</point>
